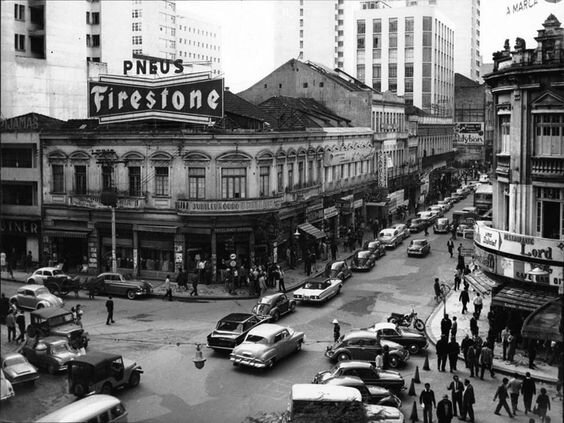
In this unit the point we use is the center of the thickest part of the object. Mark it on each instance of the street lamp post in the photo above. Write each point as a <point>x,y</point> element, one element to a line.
<point>114,261</point>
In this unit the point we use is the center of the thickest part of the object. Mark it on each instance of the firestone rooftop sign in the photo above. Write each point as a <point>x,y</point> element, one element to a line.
<point>187,98</point>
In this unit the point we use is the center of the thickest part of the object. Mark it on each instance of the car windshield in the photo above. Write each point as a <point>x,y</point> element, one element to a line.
<point>230,326</point>
<point>416,221</point>
<point>262,308</point>
<point>60,320</point>
<point>316,285</point>
<point>419,242</point>
<point>60,348</point>
<point>373,245</point>
<point>128,276</point>
<point>363,254</point>
<point>12,361</point>
<point>257,339</point>
<point>41,291</point>
<point>57,272</point>
<point>385,234</point>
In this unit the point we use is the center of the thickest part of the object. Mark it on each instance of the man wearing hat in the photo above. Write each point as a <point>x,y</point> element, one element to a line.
<point>444,410</point>
<point>336,330</point>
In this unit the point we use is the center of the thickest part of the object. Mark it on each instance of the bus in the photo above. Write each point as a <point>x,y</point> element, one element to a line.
<point>483,199</point>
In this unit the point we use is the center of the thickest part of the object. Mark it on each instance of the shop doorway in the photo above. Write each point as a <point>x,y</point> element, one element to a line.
<point>550,219</point>
<point>70,252</point>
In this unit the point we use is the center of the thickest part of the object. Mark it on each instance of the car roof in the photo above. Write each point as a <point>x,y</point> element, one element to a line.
<point>388,230</point>
<point>108,273</point>
<point>384,325</point>
<point>81,409</point>
<point>322,392</point>
<point>48,312</point>
<point>54,340</point>
<point>237,317</point>
<point>335,264</point>
<point>359,334</point>
<point>442,219</point>
<point>95,357</point>
<point>47,268</point>
<point>420,240</point>
<point>10,355</point>
<point>269,299</point>
<point>266,329</point>
<point>345,381</point>
<point>354,364</point>
<point>32,286</point>
<point>363,253</point>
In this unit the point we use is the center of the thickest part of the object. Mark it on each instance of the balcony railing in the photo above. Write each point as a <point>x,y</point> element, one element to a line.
<point>502,167</point>
<point>225,207</point>
<point>547,167</point>
<point>93,201</point>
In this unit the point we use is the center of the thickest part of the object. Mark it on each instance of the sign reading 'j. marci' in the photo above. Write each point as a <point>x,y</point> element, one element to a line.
<point>184,98</point>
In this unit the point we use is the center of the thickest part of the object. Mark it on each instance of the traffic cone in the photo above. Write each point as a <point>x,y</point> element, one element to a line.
<point>426,364</point>
<point>416,378</point>
<point>412,389</point>
<point>413,416</point>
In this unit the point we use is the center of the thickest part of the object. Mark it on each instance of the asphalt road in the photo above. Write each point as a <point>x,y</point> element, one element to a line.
<point>161,336</point>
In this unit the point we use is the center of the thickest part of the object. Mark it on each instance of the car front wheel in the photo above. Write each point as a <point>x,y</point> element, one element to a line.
<point>413,349</point>
<point>131,294</point>
<point>343,357</point>
<point>275,316</point>
<point>106,389</point>
<point>134,379</point>
<point>79,390</point>
<point>394,362</point>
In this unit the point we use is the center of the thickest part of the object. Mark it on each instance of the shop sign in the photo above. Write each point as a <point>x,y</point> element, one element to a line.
<point>469,133</point>
<point>20,226</point>
<point>314,213</point>
<point>184,98</point>
<point>330,212</point>
<point>358,203</point>
<point>333,158</point>
<point>346,203</point>
<point>93,202</point>
<point>226,207</point>
<point>486,260</point>
<point>20,124</point>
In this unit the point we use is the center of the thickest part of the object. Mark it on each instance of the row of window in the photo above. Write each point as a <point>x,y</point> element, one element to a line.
<point>93,18</point>
<point>198,44</point>
<point>92,40</point>
<point>197,31</point>
<point>199,56</point>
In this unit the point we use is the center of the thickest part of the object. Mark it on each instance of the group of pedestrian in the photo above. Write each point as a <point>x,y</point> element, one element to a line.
<point>512,388</point>
<point>462,402</point>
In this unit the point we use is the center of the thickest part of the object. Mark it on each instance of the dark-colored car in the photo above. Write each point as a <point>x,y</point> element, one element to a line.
<point>366,371</point>
<point>337,270</point>
<point>412,340</point>
<point>56,281</point>
<point>417,225</point>
<point>232,330</point>
<point>57,322</point>
<point>120,284</point>
<point>364,345</point>
<point>371,394</point>
<point>101,373</point>
<point>442,226</point>
<point>363,261</point>
<point>375,247</point>
<point>51,353</point>
<point>418,247</point>
<point>275,306</point>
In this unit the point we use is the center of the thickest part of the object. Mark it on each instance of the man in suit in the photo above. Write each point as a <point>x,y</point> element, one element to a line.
<point>468,401</point>
<point>456,387</point>
<point>502,395</point>
<point>427,401</point>
<point>444,410</point>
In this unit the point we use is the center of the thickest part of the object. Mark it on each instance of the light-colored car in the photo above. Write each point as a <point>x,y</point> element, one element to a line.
<point>446,204</point>
<point>390,238</point>
<point>6,389</point>
<point>266,344</point>
<point>35,297</point>
<point>383,414</point>
<point>119,284</point>
<point>18,370</point>
<point>441,226</point>
<point>41,275</point>
<point>418,247</point>
<point>402,229</point>
<point>318,291</point>
<point>437,209</point>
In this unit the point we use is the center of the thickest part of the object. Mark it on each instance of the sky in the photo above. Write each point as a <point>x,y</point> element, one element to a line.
<point>247,38</point>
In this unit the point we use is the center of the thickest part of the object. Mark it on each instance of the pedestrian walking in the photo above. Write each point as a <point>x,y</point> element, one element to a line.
<point>195,280</point>
<point>450,247</point>
<point>29,262</point>
<point>457,280</point>
<point>4,308</point>
<point>453,232</point>
<point>514,388</point>
<point>486,361</point>
<point>79,313</point>
<point>453,352</point>
<point>474,326</point>
<point>386,357</point>
<point>333,250</point>
<point>91,288</point>
<point>281,284</point>
<point>446,325</point>
<point>427,402</point>
<point>468,401</point>
<point>512,345</point>
<point>528,389</point>
<point>110,310</point>
<point>426,229</point>
<point>11,324</point>
<point>307,262</point>
<point>478,304</point>
<point>313,260</point>
<point>442,353</point>
<point>456,387</point>
<point>20,321</point>
<point>444,410</point>
<point>437,289</point>
<point>473,360</point>
<point>454,327</point>
<point>501,395</point>
<point>336,330</point>
<point>168,289</point>
<point>543,405</point>
<point>532,353</point>
<point>459,249</point>
<point>464,298</point>
<point>379,361</point>
<point>505,341</point>
<point>181,279</point>
<point>464,346</point>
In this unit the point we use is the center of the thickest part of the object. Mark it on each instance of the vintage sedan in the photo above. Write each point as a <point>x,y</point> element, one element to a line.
<point>18,370</point>
<point>232,330</point>
<point>417,225</point>
<point>338,270</point>
<point>371,394</point>
<point>6,388</point>
<point>35,297</point>
<point>57,322</point>
<point>275,305</point>
<point>402,229</point>
<point>383,414</point>
<point>418,247</point>
<point>52,353</point>
<point>390,238</point>
<point>265,345</point>
<point>56,281</point>
<point>315,291</point>
<point>363,260</point>
<point>365,345</point>
<point>375,247</point>
<point>366,371</point>
<point>442,226</point>
<point>120,284</point>
<point>412,340</point>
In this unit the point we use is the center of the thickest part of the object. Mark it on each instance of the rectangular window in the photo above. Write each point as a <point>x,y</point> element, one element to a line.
<point>80,180</point>
<point>427,39</point>
<point>377,84</point>
<point>310,171</point>
<point>19,42</point>
<point>234,183</point>
<point>136,40</point>
<point>427,68</point>
<point>360,43</point>
<point>136,26</point>
<point>290,175</point>
<point>393,23</point>
<point>360,72</point>
<point>409,39</point>
<point>408,54</point>
<point>360,27</point>
<point>58,178</point>
<point>376,71</point>
<point>95,18</point>
<point>409,70</point>
<point>319,170</point>
<point>301,174</point>
<point>376,26</point>
<point>409,24</point>
<point>96,40</point>
<point>161,180</point>
<point>408,85</point>
<point>264,183</point>
<point>107,178</point>
<point>426,85</point>
<point>280,177</point>
<point>549,134</point>
<point>393,55</point>
<point>19,12</point>
<point>427,23</point>
<point>392,70</point>
<point>197,182</point>
<point>17,157</point>
<point>134,181</point>
<point>427,54</point>
<point>88,18</point>
<point>136,13</point>
<point>393,40</point>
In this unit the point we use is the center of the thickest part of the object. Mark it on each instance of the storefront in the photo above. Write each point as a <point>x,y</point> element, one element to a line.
<point>19,237</point>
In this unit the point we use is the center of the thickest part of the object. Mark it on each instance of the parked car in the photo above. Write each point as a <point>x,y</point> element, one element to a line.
<point>35,297</point>
<point>52,353</point>
<point>417,225</point>
<point>315,291</point>
<point>275,306</point>
<point>456,196</point>
<point>447,205</point>
<point>364,345</point>
<point>383,414</point>
<point>18,370</point>
<point>463,228</point>
<point>402,229</point>
<point>101,373</point>
<point>375,247</point>
<point>338,270</point>
<point>437,209</point>
<point>57,322</point>
<point>91,409</point>
<point>120,284</point>
<point>366,371</point>
<point>55,280</point>
<point>390,238</point>
<point>363,260</point>
<point>429,216</point>
<point>450,201</point>
<point>418,247</point>
<point>6,389</point>
<point>412,340</point>
<point>231,330</point>
<point>266,344</point>
<point>442,226</point>
<point>371,394</point>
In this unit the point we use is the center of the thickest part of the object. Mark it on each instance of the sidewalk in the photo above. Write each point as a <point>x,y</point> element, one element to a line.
<point>543,372</point>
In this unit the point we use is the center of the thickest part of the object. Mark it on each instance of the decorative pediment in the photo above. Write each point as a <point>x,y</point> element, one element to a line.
<point>79,156</point>
<point>265,156</point>
<point>292,154</point>
<point>234,156</point>
<point>280,155</point>
<point>301,153</point>
<point>196,156</point>
<point>133,156</point>
<point>548,102</point>
<point>161,155</point>
<point>57,156</point>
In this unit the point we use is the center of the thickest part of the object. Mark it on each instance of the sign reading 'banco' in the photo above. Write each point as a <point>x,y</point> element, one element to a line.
<point>226,207</point>
<point>185,98</point>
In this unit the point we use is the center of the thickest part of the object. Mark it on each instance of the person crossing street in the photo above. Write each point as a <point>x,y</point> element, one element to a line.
<point>501,395</point>
<point>427,401</point>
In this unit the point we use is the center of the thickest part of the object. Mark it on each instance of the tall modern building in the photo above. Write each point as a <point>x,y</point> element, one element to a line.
<point>409,51</point>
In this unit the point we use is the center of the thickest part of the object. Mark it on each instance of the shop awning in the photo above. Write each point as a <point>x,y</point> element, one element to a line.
<point>65,233</point>
<point>545,322</point>
<point>157,228</point>
<point>522,299</point>
<point>376,204</point>
<point>309,229</point>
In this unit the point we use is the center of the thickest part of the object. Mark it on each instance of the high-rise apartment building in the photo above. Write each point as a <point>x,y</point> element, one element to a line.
<point>198,44</point>
<point>409,51</point>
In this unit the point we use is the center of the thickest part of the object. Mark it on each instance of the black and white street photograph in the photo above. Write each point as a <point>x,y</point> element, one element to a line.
<point>281,211</point>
